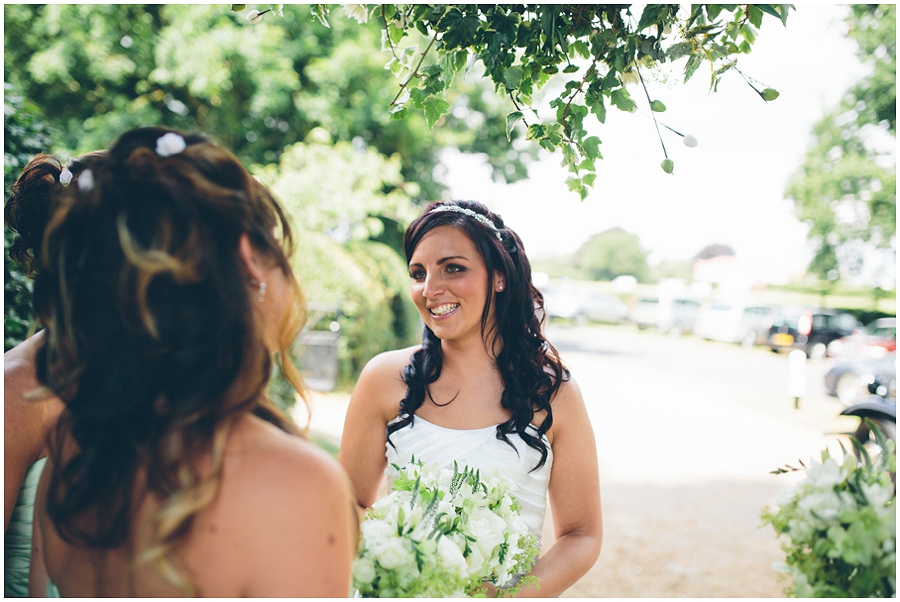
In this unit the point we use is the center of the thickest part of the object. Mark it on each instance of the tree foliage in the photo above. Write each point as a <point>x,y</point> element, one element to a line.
<point>588,52</point>
<point>846,189</point>
<point>99,69</point>
<point>24,135</point>
<point>613,253</point>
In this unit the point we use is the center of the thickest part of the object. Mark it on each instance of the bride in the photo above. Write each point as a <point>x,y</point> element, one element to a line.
<point>485,388</point>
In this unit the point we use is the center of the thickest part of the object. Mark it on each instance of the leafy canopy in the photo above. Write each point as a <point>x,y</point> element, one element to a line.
<point>846,189</point>
<point>595,50</point>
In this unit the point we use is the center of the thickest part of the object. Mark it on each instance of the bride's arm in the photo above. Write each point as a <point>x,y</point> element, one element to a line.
<point>574,498</point>
<point>374,402</point>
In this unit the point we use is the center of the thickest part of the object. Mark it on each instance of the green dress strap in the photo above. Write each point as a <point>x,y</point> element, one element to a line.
<point>17,540</point>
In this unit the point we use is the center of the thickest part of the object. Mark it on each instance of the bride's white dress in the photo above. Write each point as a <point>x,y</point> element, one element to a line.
<point>480,449</point>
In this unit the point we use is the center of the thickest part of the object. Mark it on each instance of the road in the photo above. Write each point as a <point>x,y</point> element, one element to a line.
<point>687,434</point>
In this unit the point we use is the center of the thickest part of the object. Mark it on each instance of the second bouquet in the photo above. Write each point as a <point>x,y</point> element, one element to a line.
<point>443,533</point>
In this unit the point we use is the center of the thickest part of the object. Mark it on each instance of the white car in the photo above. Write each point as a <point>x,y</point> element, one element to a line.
<point>733,323</point>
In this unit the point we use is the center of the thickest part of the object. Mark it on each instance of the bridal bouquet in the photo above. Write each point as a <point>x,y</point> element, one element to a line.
<point>442,533</point>
<point>840,524</point>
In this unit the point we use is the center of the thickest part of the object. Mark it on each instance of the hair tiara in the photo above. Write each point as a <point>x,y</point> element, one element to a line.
<point>474,215</point>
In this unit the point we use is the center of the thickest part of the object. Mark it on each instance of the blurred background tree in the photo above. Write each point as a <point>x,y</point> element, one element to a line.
<point>846,189</point>
<point>613,253</point>
<point>24,136</point>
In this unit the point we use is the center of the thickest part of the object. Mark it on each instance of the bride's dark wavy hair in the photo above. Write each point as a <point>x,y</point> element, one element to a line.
<point>153,343</point>
<point>530,366</point>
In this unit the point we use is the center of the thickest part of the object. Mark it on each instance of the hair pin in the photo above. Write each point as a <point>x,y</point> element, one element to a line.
<point>86,181</point>
<point>170,144</point>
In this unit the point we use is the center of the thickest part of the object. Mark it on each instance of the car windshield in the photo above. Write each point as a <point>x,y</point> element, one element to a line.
<point>786,318</point>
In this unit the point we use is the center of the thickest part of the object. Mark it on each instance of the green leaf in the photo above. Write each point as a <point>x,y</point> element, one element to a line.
<point>511,120</point>
<point>622,100</point>
<point>535,131</point>
<point>591,146</point>
<point>691,66</point>
<point>513,78</point>
<point>457,29</point>
<point>649,16</point>
<point>435,108</point>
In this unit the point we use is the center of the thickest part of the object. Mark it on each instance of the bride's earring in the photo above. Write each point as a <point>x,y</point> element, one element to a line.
<point>261,291</point>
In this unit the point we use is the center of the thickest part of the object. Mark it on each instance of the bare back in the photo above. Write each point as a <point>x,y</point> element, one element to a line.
<point>282,525</point>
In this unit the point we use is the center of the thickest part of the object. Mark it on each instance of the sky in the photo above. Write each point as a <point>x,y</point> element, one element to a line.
<point>727,190</point>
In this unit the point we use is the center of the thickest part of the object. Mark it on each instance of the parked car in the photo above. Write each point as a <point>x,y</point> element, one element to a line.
<point>678,316</point>
<point>875,339</point>
<point>730,322</point>
<point>674,316</point>
<point>849,378</point>
<point>583,306</point>
<point>645,313</point>
<point>809,329</point>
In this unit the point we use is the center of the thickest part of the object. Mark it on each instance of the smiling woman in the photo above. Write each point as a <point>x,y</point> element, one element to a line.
<point>484,390</point>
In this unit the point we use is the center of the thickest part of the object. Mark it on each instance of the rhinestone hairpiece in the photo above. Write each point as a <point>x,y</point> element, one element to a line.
<point>65,176</point>
<point>474,215</point>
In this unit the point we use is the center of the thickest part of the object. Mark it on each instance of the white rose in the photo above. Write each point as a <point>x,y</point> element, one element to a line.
<point>392,554</point>
<point>65,176</point>
<point>488,529</point>
<point>450,554</point>
<point>364,570</point>
<point>374,530</point>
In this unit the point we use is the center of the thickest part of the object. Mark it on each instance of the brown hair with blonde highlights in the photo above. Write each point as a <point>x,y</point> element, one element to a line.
<point>153,341</point>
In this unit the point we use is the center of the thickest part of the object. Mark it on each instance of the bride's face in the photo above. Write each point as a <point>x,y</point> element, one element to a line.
<point>449,284</point>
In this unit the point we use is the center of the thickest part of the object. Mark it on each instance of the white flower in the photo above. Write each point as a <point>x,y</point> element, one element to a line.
<point>878,495</point>
<point>824,506</point>
<point>824,475</point>
<point>364,570</point>
<point>690,140</point>
<point>451,554</point>
<point>86,181</point>
<point>254,16</point>
<point>65,176</point>
<point>356,11</point>
<point>374,530</point>
<point>170,144</point>
<point>393,554</point>
<point>488,530</point>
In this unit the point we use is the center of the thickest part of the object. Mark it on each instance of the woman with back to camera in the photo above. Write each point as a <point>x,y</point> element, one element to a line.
<point>165,289</point>
<point>485,389</point>
<point>27,417</point>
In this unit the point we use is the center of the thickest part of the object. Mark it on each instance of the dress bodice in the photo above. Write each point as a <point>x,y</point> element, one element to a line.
<point>480,449</point>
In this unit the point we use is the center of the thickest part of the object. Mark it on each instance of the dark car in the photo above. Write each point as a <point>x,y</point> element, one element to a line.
<point>849,378</point>
<point>875,339</point>
<point>809,329</point>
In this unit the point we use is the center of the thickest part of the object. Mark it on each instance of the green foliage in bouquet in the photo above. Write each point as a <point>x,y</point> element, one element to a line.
<point>443,533</point>
<point>840,525</point>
